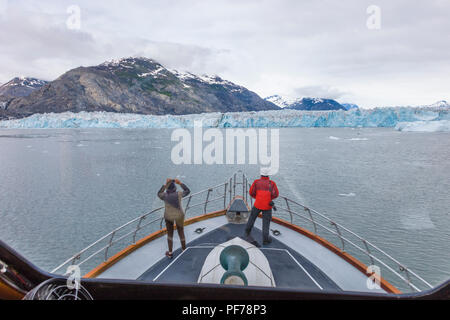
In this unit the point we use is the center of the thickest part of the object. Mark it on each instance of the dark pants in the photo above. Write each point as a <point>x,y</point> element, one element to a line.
<point>266,216</point>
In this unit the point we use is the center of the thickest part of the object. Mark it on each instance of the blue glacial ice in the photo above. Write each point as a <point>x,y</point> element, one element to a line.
<point>424,126</point>
<point>401,118</point>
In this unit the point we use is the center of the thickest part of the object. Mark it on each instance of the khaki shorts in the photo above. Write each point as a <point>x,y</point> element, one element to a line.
<point>174,217</point>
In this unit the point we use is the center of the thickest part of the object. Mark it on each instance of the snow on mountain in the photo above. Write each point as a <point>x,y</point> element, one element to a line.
<point>136,85</point>
<point>282,102</point>
<point>20,87</point>
<point>315,104</point>
<point>131,62</point>
<point>402,118</point>
<point>305,103</point>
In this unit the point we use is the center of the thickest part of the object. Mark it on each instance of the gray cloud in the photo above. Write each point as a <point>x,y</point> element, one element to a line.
<point>326,92</point>
<point>287,47</point>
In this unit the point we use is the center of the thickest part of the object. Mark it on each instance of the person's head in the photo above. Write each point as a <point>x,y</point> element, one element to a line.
<point>265,172</point>
<point>171,187</point>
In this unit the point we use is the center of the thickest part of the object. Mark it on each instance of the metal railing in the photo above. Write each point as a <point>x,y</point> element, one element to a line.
<point>350,241</point>
<point>129,231</point>
<point>237,183</point>
<point>355,243</point>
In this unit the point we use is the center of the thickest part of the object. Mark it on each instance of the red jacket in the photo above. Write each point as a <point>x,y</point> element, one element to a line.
<point>263,190</point>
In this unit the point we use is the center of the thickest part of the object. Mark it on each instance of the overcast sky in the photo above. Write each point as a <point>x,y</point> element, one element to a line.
<point>292,47</point>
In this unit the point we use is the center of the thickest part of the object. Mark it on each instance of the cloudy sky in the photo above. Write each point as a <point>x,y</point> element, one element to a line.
<point>397,53</point>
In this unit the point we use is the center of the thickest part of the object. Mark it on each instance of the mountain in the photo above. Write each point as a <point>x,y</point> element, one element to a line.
<point>309,104</point>
<point>349,106</point>
<point>18,87</point>
<point>137,85</point>
<point>312,104</point>
<point>280,101</point>
<point>21,86</point>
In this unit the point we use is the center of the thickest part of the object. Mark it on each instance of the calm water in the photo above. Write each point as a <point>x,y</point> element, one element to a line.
<point>62,189</point>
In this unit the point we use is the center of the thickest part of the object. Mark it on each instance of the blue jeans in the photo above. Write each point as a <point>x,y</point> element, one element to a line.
<point>266,216</point>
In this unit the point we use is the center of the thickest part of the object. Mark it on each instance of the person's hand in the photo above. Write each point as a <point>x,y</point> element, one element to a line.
<point>168,181</point>
<point>177,181</point>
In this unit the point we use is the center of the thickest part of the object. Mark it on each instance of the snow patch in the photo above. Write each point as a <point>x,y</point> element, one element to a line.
<point>153,73</point>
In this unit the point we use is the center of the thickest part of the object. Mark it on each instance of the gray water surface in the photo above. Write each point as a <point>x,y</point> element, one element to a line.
<point>60,190</point>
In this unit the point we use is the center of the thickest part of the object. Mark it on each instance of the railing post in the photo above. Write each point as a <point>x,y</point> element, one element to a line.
<point>243,186</point>
<point>234,185</point>
<point>110,243</point>
<point>225,196</point>
<point>138,227</point>
<point>368,251</point>
<point>251,199</point>
<point>339,233</point>
<point>289,208</point>
<point>231,189</point>
<point>77,257</point>
<point>206,202</point>
<point>246,190</point>
<point>187,204</point>
<point>311,217</point>
<point>402,268</point>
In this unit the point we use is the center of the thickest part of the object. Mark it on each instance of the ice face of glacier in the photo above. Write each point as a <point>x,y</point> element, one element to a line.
<point>424,126</point>
<point>378,117</point>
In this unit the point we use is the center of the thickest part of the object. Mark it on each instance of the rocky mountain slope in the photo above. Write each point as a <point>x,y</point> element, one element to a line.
<point>136,85</point>
<point>18,87</point>
<point>21,86</point>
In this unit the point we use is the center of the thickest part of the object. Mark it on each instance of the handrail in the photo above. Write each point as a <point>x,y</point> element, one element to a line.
<point>228,190</point>
<point>344,239</point>
<point>110,236</point>
<point>367,244</point>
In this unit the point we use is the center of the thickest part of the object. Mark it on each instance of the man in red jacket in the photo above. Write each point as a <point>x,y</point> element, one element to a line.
<point>263,190</point>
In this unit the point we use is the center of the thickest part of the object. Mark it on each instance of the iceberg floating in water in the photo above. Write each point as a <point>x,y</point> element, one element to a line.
<point>351,194</point>
<point>378,117</point>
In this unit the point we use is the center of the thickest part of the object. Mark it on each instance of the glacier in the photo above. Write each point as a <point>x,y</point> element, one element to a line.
<point>435,118</point>
<point>424,126</point>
